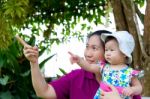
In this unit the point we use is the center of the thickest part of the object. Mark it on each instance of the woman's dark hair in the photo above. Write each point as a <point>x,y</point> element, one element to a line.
<point>98,33</point>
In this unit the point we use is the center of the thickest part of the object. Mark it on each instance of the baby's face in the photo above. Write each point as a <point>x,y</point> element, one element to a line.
<point>113,55</point>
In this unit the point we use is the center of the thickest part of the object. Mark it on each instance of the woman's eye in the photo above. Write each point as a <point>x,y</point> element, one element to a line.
<point>94,48</point>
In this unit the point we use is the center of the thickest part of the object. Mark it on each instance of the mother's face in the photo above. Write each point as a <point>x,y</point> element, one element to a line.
<point>94,50</point>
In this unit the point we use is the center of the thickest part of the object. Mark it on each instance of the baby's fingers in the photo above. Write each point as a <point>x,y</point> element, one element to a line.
<point>71,60</point>
<point>70,53</point>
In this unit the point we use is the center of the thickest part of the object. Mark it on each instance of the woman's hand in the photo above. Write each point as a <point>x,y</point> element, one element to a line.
<point>31,53</point>
<point>128,91</point>
<point>110,95</point>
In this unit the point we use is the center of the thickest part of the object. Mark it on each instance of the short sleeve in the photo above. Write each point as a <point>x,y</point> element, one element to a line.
<point>62,86</point>
<point>137,73</point>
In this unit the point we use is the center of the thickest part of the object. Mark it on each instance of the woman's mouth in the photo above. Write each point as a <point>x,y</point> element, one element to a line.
<point>91,61</point>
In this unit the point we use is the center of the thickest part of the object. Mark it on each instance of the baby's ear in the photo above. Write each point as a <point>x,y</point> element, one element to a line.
<point>125,56</point>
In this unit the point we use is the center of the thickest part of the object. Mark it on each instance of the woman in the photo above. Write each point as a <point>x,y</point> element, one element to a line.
<point>78,84</point>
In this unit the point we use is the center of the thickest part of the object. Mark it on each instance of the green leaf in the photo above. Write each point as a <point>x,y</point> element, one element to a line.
<point>19,12</point>
<point>32,40</point>
<point>42,51</point>
<point>4,80</point>
<point>5,95</point>
<point>63,71</point>
<point>27,73</point>
<point>83,26</point>
<point>8,12</point>
<point>44,61</point>
<point>1,62</point>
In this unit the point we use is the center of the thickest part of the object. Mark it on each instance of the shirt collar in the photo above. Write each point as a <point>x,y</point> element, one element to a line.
<point>89,75</point>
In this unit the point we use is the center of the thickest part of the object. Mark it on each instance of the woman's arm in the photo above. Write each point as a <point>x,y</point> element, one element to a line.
<point>41,88</point>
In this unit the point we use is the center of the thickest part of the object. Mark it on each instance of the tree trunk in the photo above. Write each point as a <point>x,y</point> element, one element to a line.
<point>124,19</point>
<point>130,16</point>
<point>119,15</point>
<point>146,60</point>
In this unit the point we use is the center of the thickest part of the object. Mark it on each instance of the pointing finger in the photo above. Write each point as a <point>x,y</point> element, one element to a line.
<point>21,40</point>
<point>71,53</point>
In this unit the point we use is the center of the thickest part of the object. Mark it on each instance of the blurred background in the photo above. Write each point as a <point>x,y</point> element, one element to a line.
<point>59,26</point>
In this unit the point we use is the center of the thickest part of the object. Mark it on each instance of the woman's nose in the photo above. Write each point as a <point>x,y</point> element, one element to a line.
<point>89,53</point>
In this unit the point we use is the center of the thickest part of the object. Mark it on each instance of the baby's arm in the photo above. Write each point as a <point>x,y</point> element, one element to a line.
<point>136,86</point>
<point>94,68</point>
<point>135,89</point>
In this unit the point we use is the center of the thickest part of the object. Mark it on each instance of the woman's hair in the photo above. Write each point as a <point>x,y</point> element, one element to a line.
<point>98,33</point>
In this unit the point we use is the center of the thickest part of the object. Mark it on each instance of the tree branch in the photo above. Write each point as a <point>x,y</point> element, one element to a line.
<point>139,34</point>
<point>141,16</point>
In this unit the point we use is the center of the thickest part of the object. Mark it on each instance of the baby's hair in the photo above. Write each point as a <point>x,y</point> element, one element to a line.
<point>110,38</point>
<point>98,33</point>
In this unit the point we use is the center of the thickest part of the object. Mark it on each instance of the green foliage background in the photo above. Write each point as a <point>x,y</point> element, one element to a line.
<point>17,15</point>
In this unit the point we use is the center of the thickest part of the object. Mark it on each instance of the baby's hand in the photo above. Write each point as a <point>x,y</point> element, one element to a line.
<point>127,91</point>
<point>74,58</point>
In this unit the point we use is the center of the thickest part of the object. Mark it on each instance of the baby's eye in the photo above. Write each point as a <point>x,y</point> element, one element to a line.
<point>112,50</point>
<point>106,49</point>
